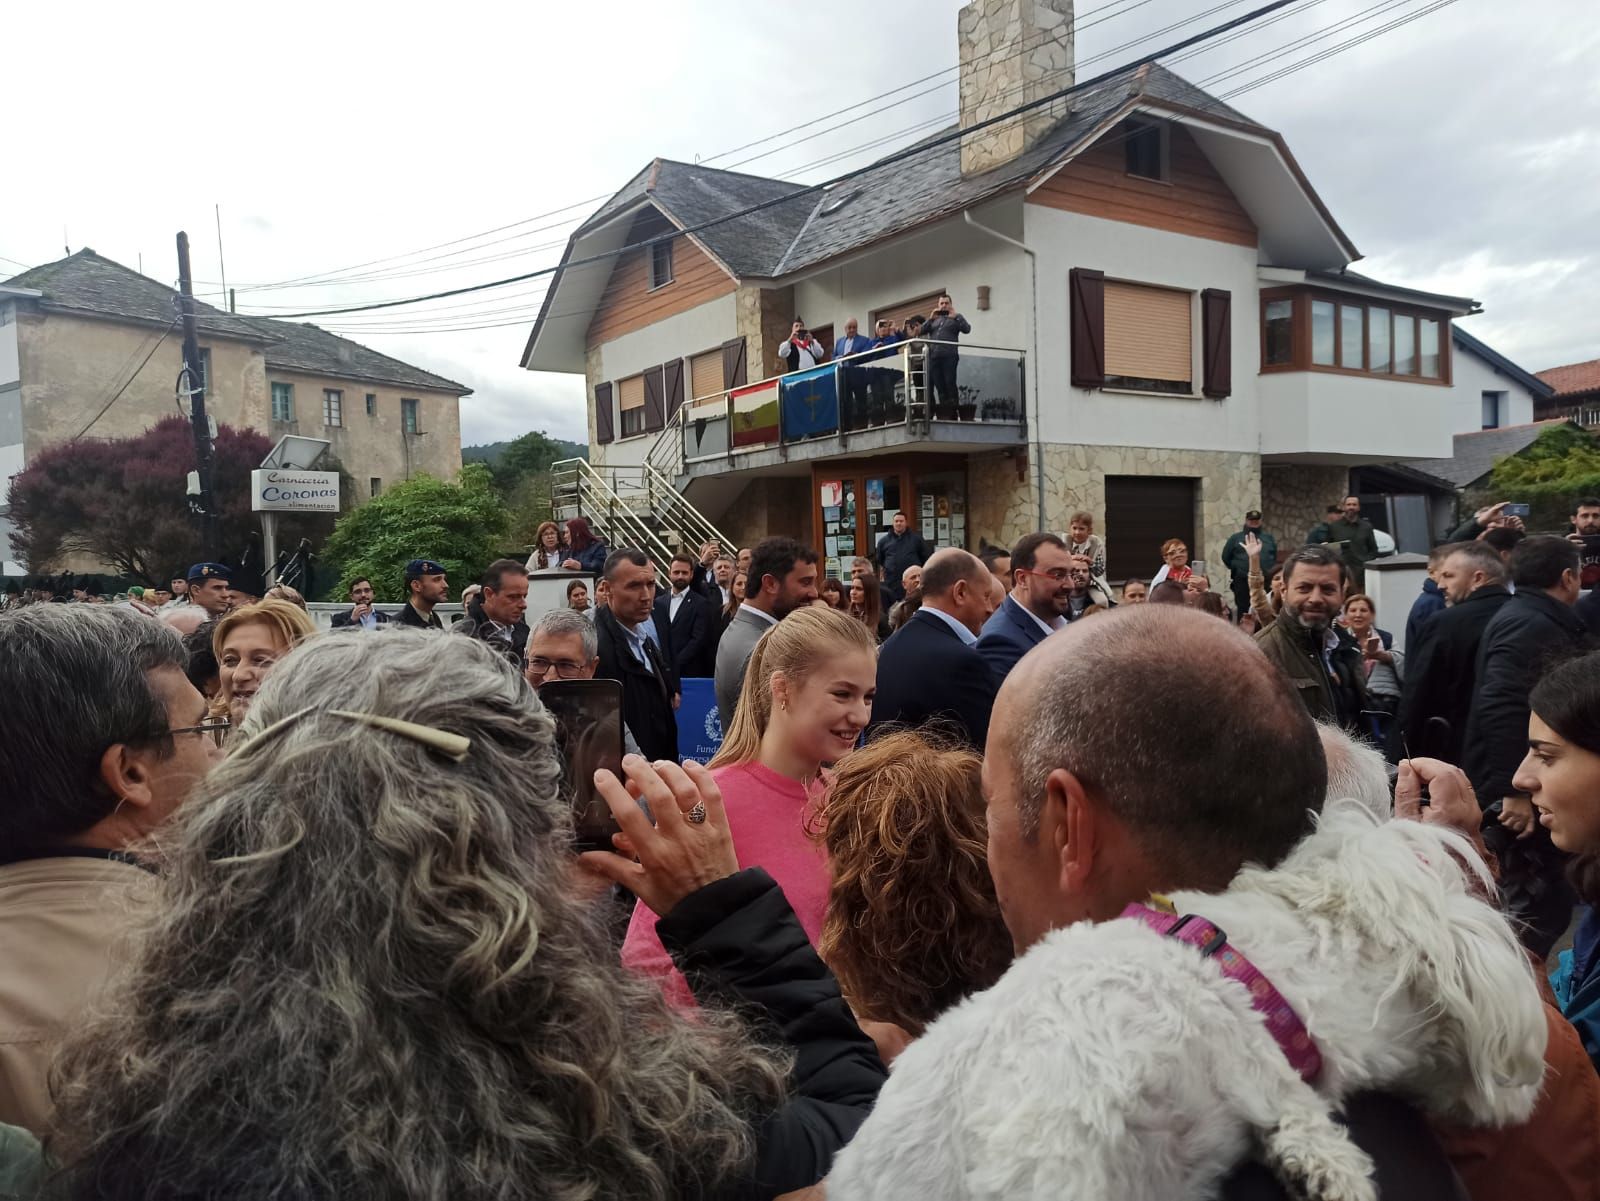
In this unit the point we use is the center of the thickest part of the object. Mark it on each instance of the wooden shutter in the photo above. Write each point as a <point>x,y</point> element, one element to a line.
<point>672,384</point>
<point>1142,512</point>
<point>1149,333</point>
<point>922,306</point>
<point>605,419</point>
<point>734,371</point>
<point>631,393</point>
<point>655,401</point>
<point>705,376</point>
<point>1216,342</point>
<point>1087,296</point>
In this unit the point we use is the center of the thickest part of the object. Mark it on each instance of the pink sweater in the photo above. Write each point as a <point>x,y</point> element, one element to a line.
<point>766,813</point>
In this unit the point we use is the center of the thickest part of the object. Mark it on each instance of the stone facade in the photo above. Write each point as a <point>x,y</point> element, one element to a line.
<point>1293,496</point>
<point>1000,505</point>
<point>764,316</point>
<point>1012,53</point>
<point>769,506</point>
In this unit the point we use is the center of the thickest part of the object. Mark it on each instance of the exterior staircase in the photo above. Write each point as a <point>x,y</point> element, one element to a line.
<point>632,506</point>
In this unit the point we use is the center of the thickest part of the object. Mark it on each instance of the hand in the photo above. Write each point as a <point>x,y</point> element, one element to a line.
<point>1516,523</point>
<point>1252,548</point>
<point>1576,539</point>
<point>1485,514</point>
<point>1452,803</point>
<point>708,553</point>
<point>1372,648</point>
<point>677,699</point>
<point>1516,815</point>
<point>891,1039</point>
<point>675,856</point>
<point>572,565</point>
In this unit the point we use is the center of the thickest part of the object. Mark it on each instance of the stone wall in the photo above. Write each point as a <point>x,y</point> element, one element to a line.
<point>1000,506</point>
<point>764,317</point>
<point>1293,496</point>
<point>774,505</point>
<point>1012,52</point>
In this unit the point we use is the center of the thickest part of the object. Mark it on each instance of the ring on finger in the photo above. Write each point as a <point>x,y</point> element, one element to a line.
<point>698,813</point>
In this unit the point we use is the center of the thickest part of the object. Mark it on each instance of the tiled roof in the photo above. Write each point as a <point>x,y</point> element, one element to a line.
<point>1573,378</point>
<point>1476,453</point>
<point>89,283</point>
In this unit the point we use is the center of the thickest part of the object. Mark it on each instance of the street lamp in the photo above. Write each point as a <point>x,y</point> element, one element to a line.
<point>292,453</point>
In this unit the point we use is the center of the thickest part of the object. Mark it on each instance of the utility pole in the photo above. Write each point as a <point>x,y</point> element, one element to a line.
<point>209,536</point>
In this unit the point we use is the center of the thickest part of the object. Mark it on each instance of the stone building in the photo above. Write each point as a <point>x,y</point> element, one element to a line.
<point>90,348</point>
<point>1165,328</point>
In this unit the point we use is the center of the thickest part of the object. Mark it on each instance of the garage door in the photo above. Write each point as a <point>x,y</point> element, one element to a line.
<point>1142,512</point>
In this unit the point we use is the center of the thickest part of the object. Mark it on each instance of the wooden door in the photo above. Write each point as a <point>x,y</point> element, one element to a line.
<point>1142,512</point>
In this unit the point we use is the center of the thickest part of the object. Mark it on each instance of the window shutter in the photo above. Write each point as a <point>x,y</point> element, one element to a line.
<point>673,383</point>
<point>733,364</point>
<point>655,401</point>
<point>705,376</point>
<point>1216,324</point>
<point>605,419</point>
<point>1148,333</point>
<point>1087,295</point>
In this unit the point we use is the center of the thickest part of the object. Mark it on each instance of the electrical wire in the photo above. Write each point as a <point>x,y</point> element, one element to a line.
<point>115,396</point>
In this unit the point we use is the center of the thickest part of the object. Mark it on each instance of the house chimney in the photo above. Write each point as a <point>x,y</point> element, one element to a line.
<point>1012,52</point>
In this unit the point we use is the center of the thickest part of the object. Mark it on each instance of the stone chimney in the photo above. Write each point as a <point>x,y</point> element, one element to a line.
<point>1012,52</point>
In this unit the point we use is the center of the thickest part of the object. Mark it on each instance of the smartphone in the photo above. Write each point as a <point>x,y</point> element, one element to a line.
<point>588,717</point>
<point>1516,510</point>
<point>1199,567</point>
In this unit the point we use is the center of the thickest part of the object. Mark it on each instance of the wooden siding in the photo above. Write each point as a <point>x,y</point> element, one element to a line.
<point>1194,200</point>
<point>628,303</point>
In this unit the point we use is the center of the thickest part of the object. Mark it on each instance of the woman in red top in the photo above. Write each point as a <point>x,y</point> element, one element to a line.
<point>1176,567</point>
<point>807,696</point>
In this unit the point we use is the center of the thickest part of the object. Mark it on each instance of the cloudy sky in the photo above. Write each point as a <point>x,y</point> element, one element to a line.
<point>367,149</point>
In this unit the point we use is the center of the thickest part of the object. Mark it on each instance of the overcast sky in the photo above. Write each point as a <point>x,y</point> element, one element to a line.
<point>1461,152</point>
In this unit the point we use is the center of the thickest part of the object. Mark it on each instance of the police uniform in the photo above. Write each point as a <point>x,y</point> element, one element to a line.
<point>408,615</point>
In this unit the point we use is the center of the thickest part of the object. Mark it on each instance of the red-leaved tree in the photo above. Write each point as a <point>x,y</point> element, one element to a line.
<point>123,501</point>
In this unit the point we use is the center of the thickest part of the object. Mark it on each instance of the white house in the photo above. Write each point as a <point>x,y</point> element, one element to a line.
<point>1165,329</point>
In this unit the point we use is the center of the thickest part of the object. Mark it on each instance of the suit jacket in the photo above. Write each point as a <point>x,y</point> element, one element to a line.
<point>1441,671</point>
<point>1010,633</point>
<point>927,674</point>
<point>346,619</point>
<point>733,655</point>
<point>693,633</point>
<point>646,691</point>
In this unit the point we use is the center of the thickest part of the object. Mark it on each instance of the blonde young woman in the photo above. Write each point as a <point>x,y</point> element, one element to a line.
<point>807,697</point>
<point>247,643</point>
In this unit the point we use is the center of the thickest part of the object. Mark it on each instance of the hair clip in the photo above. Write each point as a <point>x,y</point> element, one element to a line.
<point>452,746</point>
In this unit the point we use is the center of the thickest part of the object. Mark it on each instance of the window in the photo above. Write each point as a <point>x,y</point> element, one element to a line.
<point>1351,335</point>
<point>1492,402</point>
<point>632,405</point>
<point>205,370</point>
<point>661,264</point>
<point>705,376</point>
<point>372,404</point>
<point>375,484</point>
<point>1149,338</point>
<point>1145,148</point>
<point>1322,333</point>
<point>1279,324</point>
<point>1378,341</point>
<point>409,420</point>
<point>1428,345</point>
<point>282,402</point>
<point>1405,345</point>
<point>332,407</point>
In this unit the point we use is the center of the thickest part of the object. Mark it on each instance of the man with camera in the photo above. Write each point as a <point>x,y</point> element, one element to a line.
<point>800,351</point>
<point>942,331</point>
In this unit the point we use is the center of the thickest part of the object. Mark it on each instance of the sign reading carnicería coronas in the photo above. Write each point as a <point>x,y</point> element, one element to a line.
<point>273,490</point>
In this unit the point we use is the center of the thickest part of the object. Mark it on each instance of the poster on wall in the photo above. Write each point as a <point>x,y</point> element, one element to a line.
<point>830,513</point>
<point>831,569</point>
<point>930,530</point>
<point>888,517</point>
<point>944,529</point>
<point>832,545</point>
<point>832,493</point>
<point>875,494</point>
<point>927,506</point>
<point>958,530</point>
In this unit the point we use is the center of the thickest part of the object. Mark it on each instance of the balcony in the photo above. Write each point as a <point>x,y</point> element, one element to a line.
<point>880,400</point>
<point>1319,417</point>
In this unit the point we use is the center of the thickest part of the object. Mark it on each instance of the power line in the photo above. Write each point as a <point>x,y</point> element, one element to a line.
<point>127,382</point>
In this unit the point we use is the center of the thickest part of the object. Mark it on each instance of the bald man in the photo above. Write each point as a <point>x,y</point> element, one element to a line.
<point>1115,804</point>
<point>929,674</point>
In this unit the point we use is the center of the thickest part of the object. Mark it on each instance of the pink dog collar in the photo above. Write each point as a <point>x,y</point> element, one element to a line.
<point>1282,1022</point>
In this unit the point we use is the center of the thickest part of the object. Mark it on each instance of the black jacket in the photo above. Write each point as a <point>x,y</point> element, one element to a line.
<point>927,674</point>
<point>476,624</point>
<point>1588,610</point>
<point>1441,669</point>
<point>1531,631</point>
<point>694,633</point>
<point>346,619</point>
<point>896,552</point>
<point>408,616</point>
<point>737,941</point>
<point>646,693</point>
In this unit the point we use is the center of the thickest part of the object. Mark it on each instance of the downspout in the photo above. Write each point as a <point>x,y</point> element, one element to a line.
<point>1035,446</point>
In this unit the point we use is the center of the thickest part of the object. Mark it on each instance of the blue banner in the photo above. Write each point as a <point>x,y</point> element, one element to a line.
<point>810,403</point>
<point>699,727</point>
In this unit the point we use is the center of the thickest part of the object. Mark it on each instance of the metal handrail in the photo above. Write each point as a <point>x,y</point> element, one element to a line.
<point>578,477</point>
<point>673,508</point>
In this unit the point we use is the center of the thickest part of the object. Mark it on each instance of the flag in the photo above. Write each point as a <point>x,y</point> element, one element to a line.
<point>810,403</point>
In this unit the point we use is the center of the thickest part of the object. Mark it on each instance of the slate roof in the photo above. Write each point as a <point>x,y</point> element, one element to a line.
<point>1476,453</point>
<point>1540,389</point>
<point>1573,379</point>
<point>86,282</point>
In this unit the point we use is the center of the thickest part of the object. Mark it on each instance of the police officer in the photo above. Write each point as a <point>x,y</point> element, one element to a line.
<point>211,588</point>
<point>425,588</point>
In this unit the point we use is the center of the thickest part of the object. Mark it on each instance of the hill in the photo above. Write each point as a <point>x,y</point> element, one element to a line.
<point>490,452</point>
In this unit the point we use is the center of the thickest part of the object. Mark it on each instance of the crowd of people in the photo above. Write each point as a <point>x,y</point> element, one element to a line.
<point>1137,906</point>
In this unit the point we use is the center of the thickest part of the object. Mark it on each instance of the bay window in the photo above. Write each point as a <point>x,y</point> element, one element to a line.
<point>1306,329</point>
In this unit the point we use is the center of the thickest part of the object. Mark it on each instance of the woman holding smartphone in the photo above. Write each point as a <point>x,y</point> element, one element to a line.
<point>807,697</point>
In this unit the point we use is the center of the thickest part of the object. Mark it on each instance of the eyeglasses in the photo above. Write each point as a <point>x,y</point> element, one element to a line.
<point>565,669</point>
<point>217,728</point>
<point>1059,574</point>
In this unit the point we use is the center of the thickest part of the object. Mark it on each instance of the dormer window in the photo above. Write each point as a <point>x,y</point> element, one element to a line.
<point>660,264</point>
<point>1145,146</point>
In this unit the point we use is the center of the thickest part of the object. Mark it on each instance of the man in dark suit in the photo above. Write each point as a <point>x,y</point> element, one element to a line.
<point>361,615</point>
<point>687,617</point>
<point>1441,666</point>
<point>629,655</point>
<point>929,672</point>
<point>781,577</point>
<point>1041,594</point>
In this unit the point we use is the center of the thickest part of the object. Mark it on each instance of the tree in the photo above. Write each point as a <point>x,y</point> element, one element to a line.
<point>123,501</point>
<point>1550,474</point>
<point>530,455</point>
<point>460,525</point>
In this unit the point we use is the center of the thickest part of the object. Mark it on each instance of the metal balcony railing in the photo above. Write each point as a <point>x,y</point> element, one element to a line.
<point>875,389</point>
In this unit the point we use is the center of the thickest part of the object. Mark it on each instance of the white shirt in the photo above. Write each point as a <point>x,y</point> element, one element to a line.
<point>675,604</point>
<point>747,607</point>
<point>966,635</point>
<point>1048,627</point>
